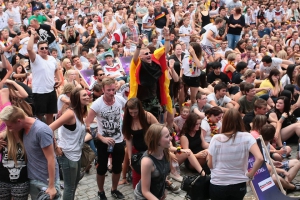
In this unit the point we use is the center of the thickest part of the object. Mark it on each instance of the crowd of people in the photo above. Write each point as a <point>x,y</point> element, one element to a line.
<point>205,80</point>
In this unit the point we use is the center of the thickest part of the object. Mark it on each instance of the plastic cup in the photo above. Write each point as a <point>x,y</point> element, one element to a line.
<point>145,40</point>
<point>94,129</point>
<point>110,148</point>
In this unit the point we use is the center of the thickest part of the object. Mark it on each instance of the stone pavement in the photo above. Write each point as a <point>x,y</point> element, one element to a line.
<point>87,188</point>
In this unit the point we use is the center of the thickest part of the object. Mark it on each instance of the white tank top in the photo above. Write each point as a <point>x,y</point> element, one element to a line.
<point>71,142</point>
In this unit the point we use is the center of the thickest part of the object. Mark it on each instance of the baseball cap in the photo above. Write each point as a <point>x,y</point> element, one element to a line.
<point>36,8</point>
<point>108,53</point>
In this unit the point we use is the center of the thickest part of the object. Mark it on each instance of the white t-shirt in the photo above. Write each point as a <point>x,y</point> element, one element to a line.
<point>189,67</point>
<point>109,118</point>
<point>270,15</point>
<point>43,72</point>
<point>276,62</point>
<point>17,18</point>
<point>114,70</point>
<point>130,50</point>
<point>278,14</point>
<point>285,80</point>
<point>221,102</point>
<point>205,126</point>
<point>60,103</point>
<point>252,64</point>
<point>85,65</point>
<point>148,21</point>
<point>3,20</point>
<point>230,159</point>
<point>185,30</point>
<point>207,42</point>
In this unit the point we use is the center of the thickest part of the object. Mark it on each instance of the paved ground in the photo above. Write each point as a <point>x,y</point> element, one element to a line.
<point>87,188</point>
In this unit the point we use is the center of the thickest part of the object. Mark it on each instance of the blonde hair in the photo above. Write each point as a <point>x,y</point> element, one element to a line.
<point>67,33</point>
<point>231,57</point>
<point>67,74</point>
<point>12,114</point>
<point>282,54</point>
<point>153,136</point>
<point>68,88</point>
<point>13,145</point>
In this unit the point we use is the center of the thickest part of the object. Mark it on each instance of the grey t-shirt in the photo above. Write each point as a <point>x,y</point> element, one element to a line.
<point>142,10</point>
<point>39,137</point>
<point>204,109</point>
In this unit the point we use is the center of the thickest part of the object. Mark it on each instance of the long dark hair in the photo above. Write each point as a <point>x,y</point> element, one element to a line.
<point>290,70</point>
<point>76,104</point>
<point>273,72</point>
<point>189,124</point>
<point>287,105</point>
<point>133,103</point>
<point>197,48</point>
<point>232,123</point>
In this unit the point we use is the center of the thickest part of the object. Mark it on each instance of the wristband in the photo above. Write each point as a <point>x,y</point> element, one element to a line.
<point>178,150</point>
<point>138,47</point>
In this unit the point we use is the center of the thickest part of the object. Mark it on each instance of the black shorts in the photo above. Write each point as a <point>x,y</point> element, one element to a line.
<point>45,103</point>
<point>117,157</point>
<point>191,81</point>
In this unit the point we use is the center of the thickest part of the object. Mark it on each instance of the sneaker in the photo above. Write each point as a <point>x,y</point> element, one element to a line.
<point>176,177</point>
<point>102,196</point>
<point>117,194</point>
<point>172,187</point>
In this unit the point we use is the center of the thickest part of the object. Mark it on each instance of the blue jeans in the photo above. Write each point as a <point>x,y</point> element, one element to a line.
<point>36,186</point>
<point>148,33</point>
<point>71,174</point>
<point>55,45</point>
<point>232,40</point>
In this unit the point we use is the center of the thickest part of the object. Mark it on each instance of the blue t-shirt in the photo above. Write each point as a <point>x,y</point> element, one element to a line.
<point>266,31</point>
<point>39,137</point>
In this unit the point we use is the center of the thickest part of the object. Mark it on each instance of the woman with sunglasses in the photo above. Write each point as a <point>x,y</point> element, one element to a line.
<point>72,40</point>
<point>71,134</point>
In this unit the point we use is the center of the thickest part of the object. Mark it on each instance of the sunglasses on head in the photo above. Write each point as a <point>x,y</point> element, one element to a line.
<point>147,53</point>
<point>44,48</point>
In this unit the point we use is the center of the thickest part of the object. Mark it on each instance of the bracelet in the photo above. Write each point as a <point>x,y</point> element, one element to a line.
<point>138,47</point>
<point>282,117</point>
<point>178,150</point>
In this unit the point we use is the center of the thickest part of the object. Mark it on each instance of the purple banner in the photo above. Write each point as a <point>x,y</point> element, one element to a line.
<point>87,75</point>
<point>263,184</point>
<point>124,62</point>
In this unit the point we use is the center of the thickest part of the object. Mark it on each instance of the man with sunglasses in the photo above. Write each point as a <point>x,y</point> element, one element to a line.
<point>44,69</point>
<point>151,71</point>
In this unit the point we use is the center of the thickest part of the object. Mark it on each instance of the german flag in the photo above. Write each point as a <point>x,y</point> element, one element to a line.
<point>158,57</point>
<point>160,16</point>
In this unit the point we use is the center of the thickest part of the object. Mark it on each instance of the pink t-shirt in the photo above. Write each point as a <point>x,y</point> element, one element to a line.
<point>255,134</point>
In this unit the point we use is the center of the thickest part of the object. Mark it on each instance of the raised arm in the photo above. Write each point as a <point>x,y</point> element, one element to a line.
<point>6,65</point>
<point>31,53</point>
<point>166,32</point>
<point>137,51</point>
<point>20,92</point>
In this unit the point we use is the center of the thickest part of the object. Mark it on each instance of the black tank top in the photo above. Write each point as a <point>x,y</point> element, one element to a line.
<point>158,176</point>
<point>195,142</point>
<point>138,140</point>
<point>205,19</point>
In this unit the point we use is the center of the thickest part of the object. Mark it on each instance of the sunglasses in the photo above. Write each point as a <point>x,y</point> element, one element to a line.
<point>44,48</point>
<point>147,53</point>
<point>101,74</point>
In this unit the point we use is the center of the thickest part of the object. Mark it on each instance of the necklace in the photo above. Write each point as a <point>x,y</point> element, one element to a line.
<point>109,103</point>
